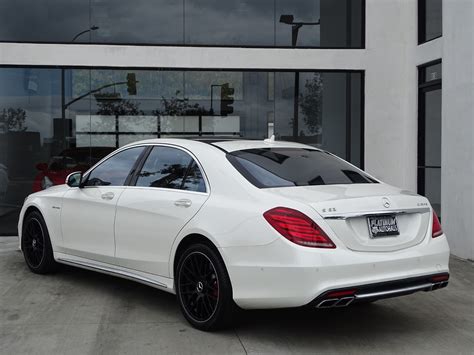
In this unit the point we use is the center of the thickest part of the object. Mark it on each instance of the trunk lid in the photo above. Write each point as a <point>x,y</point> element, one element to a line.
<point>345,209</point>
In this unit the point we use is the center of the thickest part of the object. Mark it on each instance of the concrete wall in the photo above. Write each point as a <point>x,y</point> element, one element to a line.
<point>390,93</point>
<point>457,155</point>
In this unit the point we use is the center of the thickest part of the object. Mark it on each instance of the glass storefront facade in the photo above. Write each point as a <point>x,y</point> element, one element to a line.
<point>241,23</point>
<point>57,120</point>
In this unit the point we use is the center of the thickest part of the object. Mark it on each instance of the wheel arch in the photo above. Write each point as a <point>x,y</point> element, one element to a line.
<point>28,211</point>
<point>190,239</point>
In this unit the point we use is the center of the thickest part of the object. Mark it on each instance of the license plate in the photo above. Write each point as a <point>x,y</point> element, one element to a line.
<point>382,226</point>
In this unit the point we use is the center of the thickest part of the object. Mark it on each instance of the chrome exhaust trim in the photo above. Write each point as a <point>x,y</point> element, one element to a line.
<point>335,302</point>
<point>346,301</point>
<point>422,287</point>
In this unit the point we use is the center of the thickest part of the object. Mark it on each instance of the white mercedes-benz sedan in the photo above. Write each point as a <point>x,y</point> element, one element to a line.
<point>257,224</point>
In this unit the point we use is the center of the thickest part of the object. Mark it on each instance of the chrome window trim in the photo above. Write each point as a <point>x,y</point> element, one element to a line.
<point>119,150</point>
<point>170,145</point>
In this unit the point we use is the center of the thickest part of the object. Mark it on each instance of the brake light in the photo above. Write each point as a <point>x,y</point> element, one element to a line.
<point>437,231</point>
<point>298,228</point>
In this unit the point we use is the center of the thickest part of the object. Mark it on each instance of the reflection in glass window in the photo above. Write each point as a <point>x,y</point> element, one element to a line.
<point>100,115</point>
<point>165,167</point>
<point>309,12</point>
<point>140,21</point>
<point>319,23</point>
<point>262,23</point>
<point>194,180</point>
<point>115,170</point>
<point>217,22</point>
<point>45,21</point>
<point>280,167</point>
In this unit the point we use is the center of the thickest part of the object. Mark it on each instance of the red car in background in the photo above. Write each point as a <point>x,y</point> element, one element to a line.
<point>70,160</point>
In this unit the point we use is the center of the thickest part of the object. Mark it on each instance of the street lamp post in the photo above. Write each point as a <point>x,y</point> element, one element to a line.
<point>93,28</point>
<point>63,78</point>
<point>295,27</point>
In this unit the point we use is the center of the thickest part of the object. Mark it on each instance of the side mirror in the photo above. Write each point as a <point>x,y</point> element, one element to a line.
<point>74,179</point>
<point>42,166</point>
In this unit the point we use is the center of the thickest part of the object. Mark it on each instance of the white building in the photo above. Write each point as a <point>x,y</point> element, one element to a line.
<point>386,84</point>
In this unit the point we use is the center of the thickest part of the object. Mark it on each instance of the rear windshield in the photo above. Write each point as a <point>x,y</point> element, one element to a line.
<point>279,167</point>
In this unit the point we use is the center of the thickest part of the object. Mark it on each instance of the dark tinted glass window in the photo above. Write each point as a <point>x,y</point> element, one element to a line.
<point>430,19</point>
<point>430,73</point>
<point>44,21</point>
<point>139,21</point>
<point>170,168</point>
<point>256,23</point>
<point>217,22</point>
<point>114,171</point>
<point>278,167</point>
<point>36,132</point>
<point>324,23</point>
<point>194,180</point>
<point>429,134</point>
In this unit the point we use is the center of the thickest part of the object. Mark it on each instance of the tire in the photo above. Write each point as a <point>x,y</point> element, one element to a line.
<point>203,288</point>
<point>36,245</point>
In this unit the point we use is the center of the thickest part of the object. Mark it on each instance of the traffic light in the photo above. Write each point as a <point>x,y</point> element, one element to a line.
<point>131,84</point>
<point>227,99</point>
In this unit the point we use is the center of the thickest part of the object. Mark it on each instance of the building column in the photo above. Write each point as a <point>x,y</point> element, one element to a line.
<point>457,155</point>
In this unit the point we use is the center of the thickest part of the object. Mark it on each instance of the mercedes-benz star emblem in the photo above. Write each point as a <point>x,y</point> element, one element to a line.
<point>199,286</point>
<point>386,202</point>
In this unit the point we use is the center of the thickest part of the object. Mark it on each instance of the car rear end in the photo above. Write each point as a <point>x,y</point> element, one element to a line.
<point>340,236</point>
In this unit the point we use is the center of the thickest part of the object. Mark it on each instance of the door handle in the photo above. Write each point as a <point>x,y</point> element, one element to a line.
<point>107,196</point>
<point>183,203</point>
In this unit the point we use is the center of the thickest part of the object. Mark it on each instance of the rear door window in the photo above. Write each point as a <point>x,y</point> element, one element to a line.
<point>171,168</point>
<point>279,167</point>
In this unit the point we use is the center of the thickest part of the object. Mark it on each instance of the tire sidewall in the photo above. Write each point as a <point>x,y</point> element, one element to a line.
<point>221,313</point>
<point>47,262</point>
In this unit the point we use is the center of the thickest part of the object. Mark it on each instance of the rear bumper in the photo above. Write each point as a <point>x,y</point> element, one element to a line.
<point>372,292</point>
<point>282,274</point>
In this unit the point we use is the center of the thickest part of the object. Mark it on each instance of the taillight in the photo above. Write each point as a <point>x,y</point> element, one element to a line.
<point>298,228</point>
<point>437,231</point>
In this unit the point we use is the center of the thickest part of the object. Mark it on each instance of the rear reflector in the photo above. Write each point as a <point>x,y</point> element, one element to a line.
<point>437,231</point>
<point>338,294</point>
<point>298,228</point>
<point>440,278</point>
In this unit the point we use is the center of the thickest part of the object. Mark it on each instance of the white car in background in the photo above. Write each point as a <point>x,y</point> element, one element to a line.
<point>257,224</point>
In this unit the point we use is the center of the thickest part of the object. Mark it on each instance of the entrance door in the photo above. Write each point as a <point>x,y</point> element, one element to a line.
<point>429,134</point>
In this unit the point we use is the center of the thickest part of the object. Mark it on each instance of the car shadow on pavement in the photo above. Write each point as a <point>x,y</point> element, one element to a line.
<point>126,295</point>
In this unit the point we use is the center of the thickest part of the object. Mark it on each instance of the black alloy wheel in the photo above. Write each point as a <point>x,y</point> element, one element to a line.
<point>36,245</point>
<point>199,286</point>
<point>203,288</point>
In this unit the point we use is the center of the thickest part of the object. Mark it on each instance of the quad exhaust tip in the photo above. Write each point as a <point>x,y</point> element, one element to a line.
<point>345,298</point>
<point>335,302</point>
